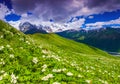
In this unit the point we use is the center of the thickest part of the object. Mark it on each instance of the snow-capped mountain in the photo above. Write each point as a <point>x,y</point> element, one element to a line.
<point>29,28</point>
<point>49,27</point>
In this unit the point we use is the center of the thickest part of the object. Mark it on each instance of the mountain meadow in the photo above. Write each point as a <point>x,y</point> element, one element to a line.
<point>51,59</point>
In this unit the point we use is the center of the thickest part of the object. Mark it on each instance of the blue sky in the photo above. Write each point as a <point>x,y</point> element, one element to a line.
<point>12,17</point>
<point>93,13</point>
<point>107,16</point>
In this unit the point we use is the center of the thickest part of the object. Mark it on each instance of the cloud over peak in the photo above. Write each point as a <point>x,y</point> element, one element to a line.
<point>60,10</point>
<point>74,13</point>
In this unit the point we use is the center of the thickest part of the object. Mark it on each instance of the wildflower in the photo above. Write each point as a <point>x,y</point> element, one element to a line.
<point>27,42</point>
<point>106,71</point>
<point>56,70</point>
<point>21,47</point>
<point>1,59</point>
<point>11,55</point>
<point>88,71</point>
<point>21,39</point>
<point>56,57</point>
<point>56,83</point>
<point>92,67</point>
<point>105,82</point>
<point>45,78</point>
<point>69,74</point>
<point>64,69</point>
<point>13,78</point>
<point>2,62</point>
<point>73,64</point>
<point>8,46</point>
<point>1,36</point>
<point>50,75</point>
<point>43,56</point>
<point>44,68</point>
<point>88,81</point>
<point>87,67</point>
<point>2,71</point>
<point>45,51</point>
<point>80,69</point>
<point>1,77</point>
<point>35,60</point>
<point>80,76</point>
<point>5,74</point>
<point>1,47</point>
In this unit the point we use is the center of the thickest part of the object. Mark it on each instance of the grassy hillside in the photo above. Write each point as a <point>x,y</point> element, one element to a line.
<point>50,59</point>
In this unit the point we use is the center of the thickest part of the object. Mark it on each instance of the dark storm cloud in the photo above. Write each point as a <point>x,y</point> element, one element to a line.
<point>22,6</point>
<point>106,4</point>
<point>25,5</point>
<point>62,9</point>
<point>47,9</point>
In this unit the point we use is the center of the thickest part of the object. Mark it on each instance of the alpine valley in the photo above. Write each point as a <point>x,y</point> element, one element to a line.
<point>50,59</point>
<point>107,39</point>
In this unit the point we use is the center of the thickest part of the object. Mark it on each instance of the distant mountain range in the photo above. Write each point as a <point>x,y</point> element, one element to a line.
<point>47,27</point>
<point>107,39</point>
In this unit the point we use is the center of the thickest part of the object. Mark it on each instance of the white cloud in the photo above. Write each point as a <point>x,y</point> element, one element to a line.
<point>3,11</point>
<point>15,24</point>
<point>24,15</point>
<point>117,21</point>
<point>76,24</point>
<point>90,17</point>
<point>55,26</point>
<point>94,25</point>
<point>115,26</point>
<point>101,24</point>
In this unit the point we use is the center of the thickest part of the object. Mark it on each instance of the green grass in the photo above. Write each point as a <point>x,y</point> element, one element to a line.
<point>48,58</point>
<point>107,39</point>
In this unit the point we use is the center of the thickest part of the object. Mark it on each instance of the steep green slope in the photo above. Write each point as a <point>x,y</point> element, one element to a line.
<point>50,59</point>
<point>55,41</point>
<point>106,39</point>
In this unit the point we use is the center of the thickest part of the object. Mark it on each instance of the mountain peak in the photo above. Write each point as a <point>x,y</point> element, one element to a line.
<point>49,27</point>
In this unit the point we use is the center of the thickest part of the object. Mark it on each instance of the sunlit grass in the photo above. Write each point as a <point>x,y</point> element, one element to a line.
<point>50,59</point>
